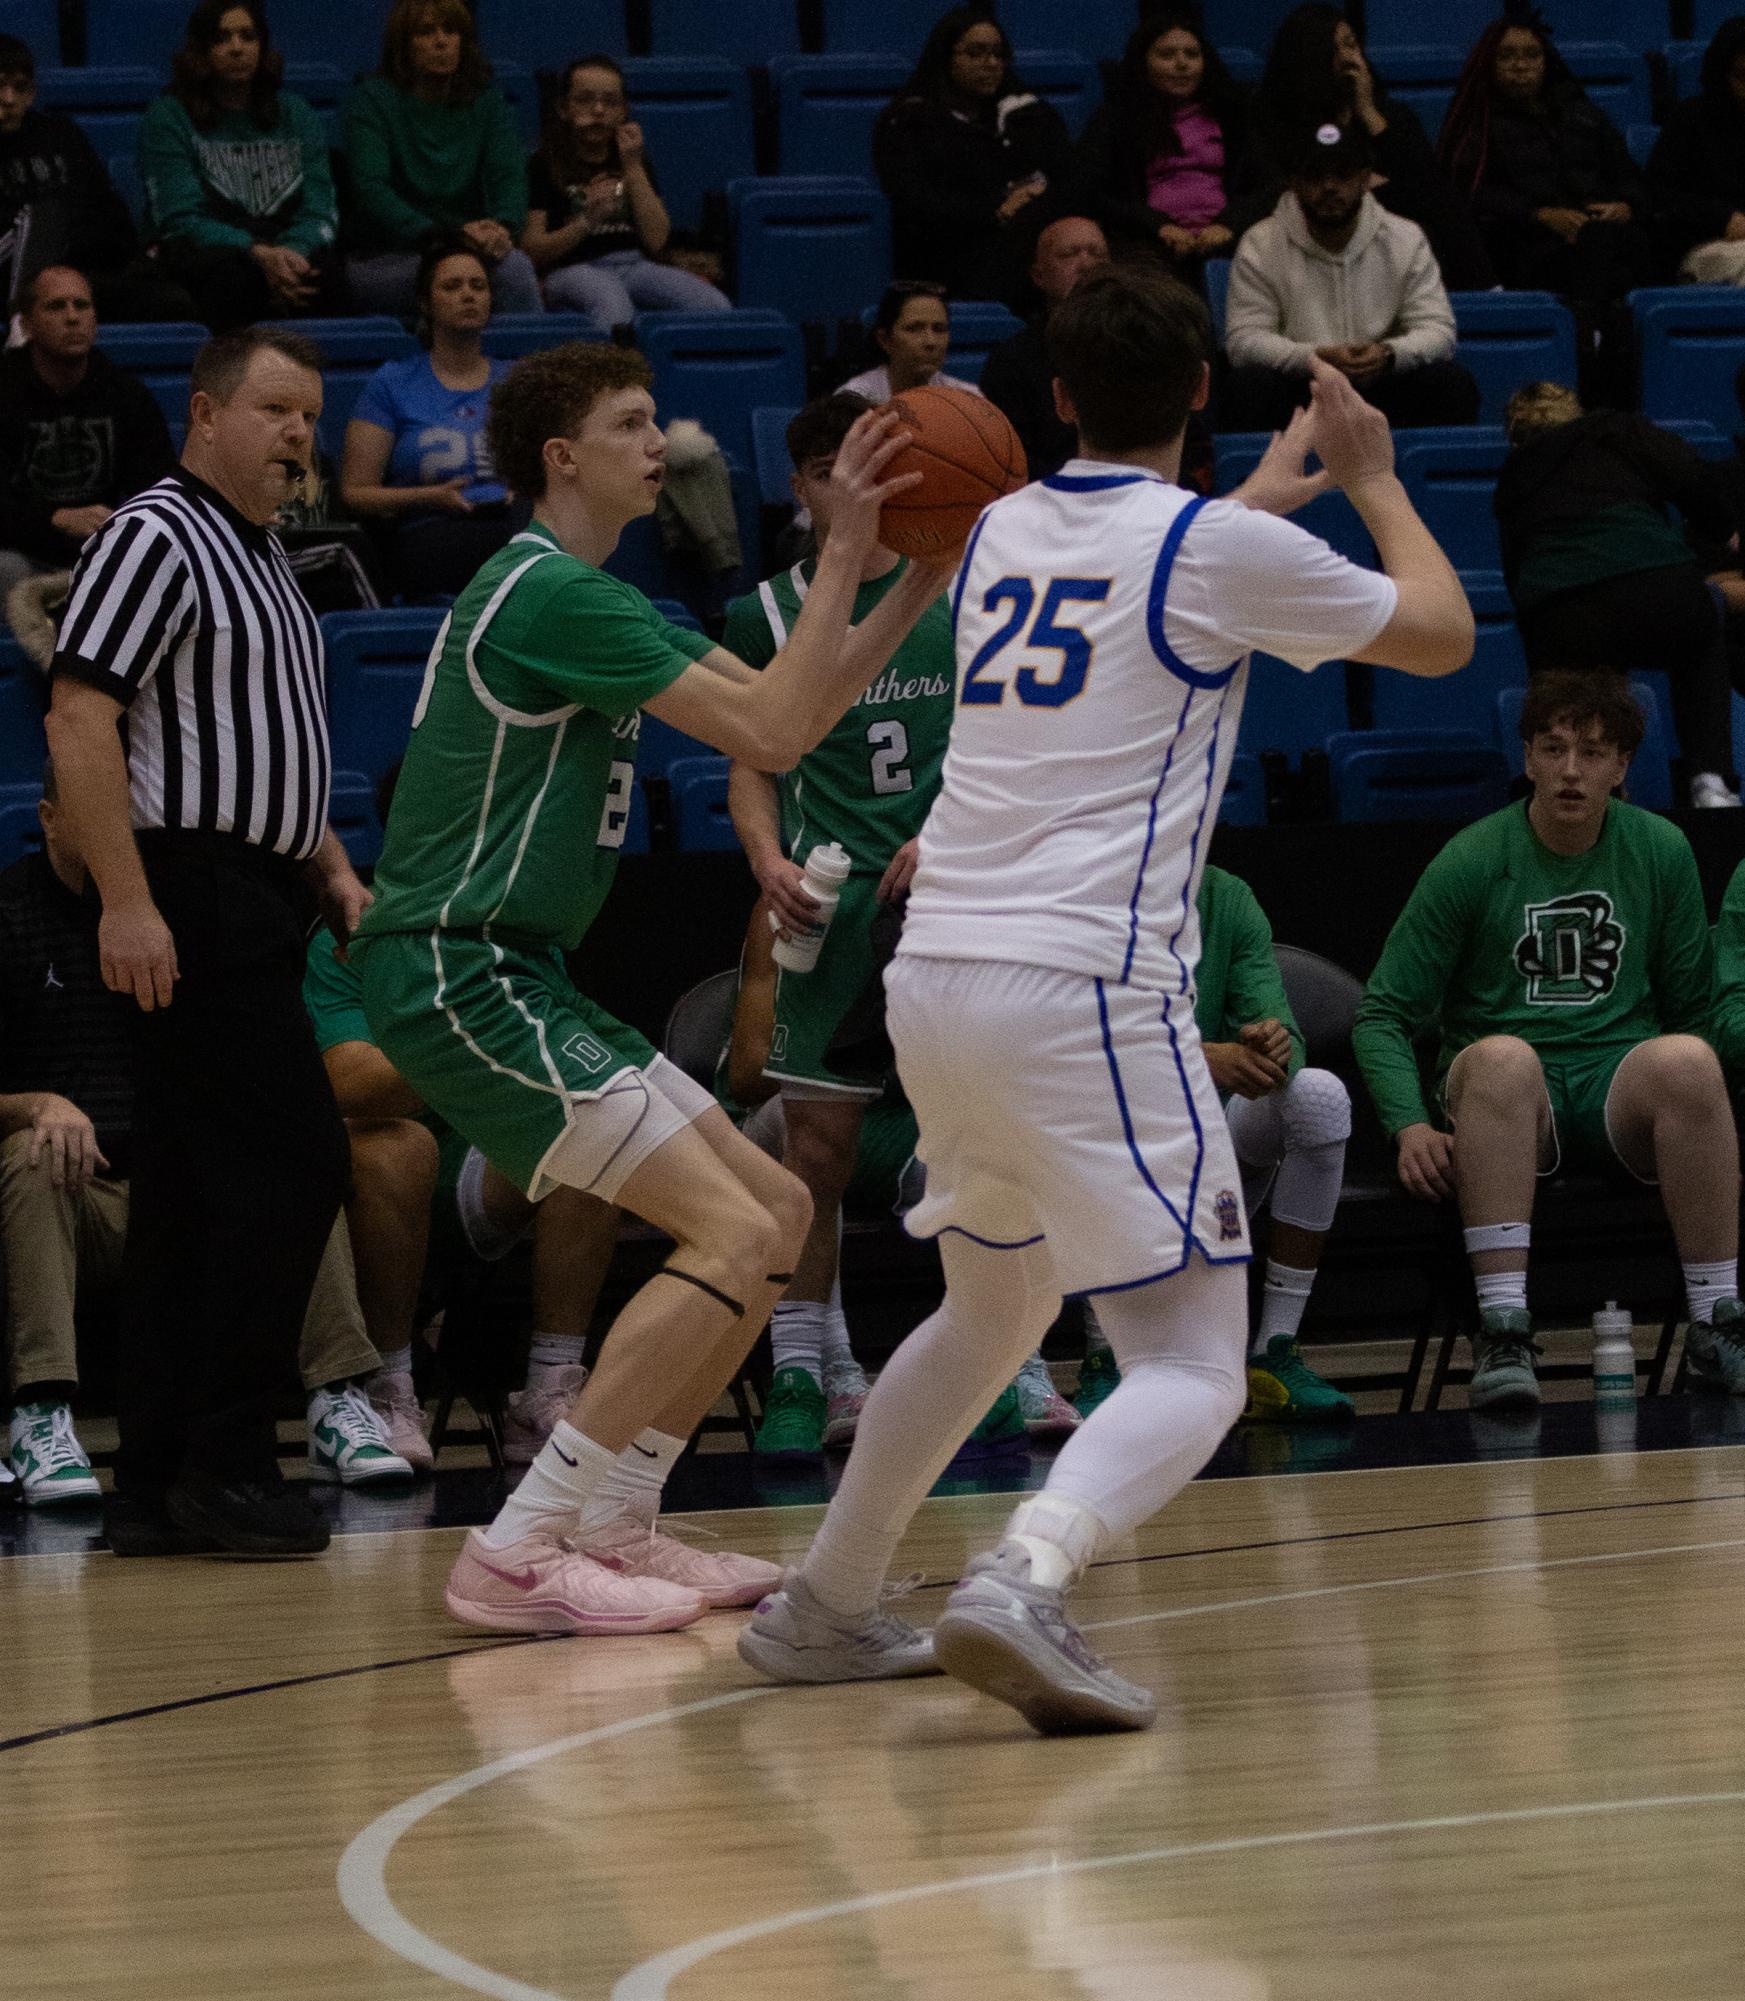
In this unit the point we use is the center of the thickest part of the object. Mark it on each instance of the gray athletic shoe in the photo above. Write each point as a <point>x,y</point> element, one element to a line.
<point>791,1637</point>
<point>1010,1637</point>
<point>1503,1354</point>
<point>1714,1349</point>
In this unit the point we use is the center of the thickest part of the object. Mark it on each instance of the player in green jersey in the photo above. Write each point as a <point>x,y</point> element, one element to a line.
<point>1564,946</point>
<point>868,787</point>
<point>1727,1019</point>
<point>1289,1125</point>
<point>501,844</point>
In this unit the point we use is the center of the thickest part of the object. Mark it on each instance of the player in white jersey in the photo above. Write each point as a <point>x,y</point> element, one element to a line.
<point>1042,1001</point>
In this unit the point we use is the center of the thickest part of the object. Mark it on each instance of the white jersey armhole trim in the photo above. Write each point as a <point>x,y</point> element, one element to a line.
<point>501,710</point>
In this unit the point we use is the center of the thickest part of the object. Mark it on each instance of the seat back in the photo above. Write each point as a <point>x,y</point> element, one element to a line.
<point>511,335</point>
<point>351,813</point>
<point>1066,77</point>
<point>812,250</point>
<point>160,355</point>
<point>1639,24</point>
<point>20,827</point>
<point>1290,711</point>
<point>23,746</point>
<point>1466,700</point>
<point>1452,478</point>
<point>879,27</point>
<point>769,453</point>
<point>696,113</point>
<point>1244,801</point>
<point>1692,344</point>
<point>746,32</point>
<point>701,822</point>
<point>1096,29</point>
<point>1331,516</point>
<point>826,107</point>
<point>376,662</point>
<point>548,34</point>
<point>1436,776</point>
<point>1421,74</point>
<point>719,367</point>
<point>696,1031</point>
<point>1509,338</point>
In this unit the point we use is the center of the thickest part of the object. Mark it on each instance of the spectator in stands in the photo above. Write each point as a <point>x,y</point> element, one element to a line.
<point>66,1110</point>
<point>1168,159</point>
<point>1317,74</point>
<point>237,184</point>
<point>431,148</point>
<point>912,330</point>
<point>1018,375</point>
<point>77,434</point>
<point>1556,193</point>
<point>1696,173</point>
<point>1600,573</point>
<point>962,150</point>
<point>596,225</point>
<point>59,206</point>
<point>1331,273</point>
<point>1564,947</point>
<point>416,456</point>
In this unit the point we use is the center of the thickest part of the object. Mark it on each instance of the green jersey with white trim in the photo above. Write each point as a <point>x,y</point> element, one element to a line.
<point>515,793</point>
<point>870,783</point>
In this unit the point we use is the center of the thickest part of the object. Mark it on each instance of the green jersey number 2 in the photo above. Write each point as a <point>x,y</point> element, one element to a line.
<point>889,742</point>
<point>615,814</point>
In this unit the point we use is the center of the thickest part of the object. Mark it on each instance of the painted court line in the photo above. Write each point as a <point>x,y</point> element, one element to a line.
<point>362,1874</point>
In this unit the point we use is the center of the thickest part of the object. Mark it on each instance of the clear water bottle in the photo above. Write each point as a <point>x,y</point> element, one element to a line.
<point>1614,1356</point>
<point>827,869</point>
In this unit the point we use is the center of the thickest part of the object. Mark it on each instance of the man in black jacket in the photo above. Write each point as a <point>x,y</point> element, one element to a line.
<point>59,206</point>
<point>77,434</point>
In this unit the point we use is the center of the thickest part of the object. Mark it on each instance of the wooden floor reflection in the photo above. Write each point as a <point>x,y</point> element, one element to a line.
<point>1433,1732</point>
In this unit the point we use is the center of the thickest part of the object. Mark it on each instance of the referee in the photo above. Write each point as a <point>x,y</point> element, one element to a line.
<point>203,822</point>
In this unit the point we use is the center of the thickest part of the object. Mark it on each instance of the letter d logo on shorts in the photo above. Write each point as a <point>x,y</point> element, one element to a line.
<point>589,1056</point>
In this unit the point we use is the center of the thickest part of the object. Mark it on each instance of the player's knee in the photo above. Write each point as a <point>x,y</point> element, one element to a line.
<point>1317,1110</point>
<point>1684,1074</point>
<point>789,1203</point>
<point>396,1158</point>
<point>1500,1071</point>
<point>819,1151</point>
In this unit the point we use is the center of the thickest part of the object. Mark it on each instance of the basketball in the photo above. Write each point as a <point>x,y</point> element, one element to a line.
<point>966,453</point>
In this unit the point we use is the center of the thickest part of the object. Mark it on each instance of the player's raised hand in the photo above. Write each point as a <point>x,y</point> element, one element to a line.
<point>1353,437</point>
<point>860,480</point>
<point>1282,482</point>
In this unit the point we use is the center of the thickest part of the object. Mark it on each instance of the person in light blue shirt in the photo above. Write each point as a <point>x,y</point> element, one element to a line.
<point>416,456</point>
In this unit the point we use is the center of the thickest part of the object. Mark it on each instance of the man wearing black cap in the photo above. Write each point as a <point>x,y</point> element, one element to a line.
<point>1331,273</point>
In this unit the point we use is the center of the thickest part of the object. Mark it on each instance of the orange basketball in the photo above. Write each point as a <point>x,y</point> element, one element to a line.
<point>967,454</point>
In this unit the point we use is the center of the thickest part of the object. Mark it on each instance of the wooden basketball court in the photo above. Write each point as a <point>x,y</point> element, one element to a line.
<point>1438,1731</point>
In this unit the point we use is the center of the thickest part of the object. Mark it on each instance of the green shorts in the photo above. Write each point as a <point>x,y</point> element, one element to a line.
<point>1579,1088</point>
<point>497,1042</point>
<point>887,1145</point>
<point>810,1006</point>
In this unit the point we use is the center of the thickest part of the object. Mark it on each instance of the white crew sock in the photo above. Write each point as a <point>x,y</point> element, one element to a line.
<point>568,1472</point>
<point>1704,1284</point>
<point>1501,1291</point>
<point>637,1478</point>
<point>833,1347</point>
<point>394,1361</point>
<point>1282,1303</point>
<point>796,1336</point>
<point>551,1352</point>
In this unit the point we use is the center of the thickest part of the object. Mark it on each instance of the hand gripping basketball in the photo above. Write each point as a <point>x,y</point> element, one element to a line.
<point>862,479</point>
<point>965,453</point>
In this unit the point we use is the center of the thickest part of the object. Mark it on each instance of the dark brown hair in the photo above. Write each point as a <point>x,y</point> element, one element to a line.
<point>548,395</point>
<point>1130,343</point>
<point>1577,698</point>
<point>191,67</point>
<point>817,431</point>
<point>472,77</point>
<point>559,142</point>
<point>224,360</point>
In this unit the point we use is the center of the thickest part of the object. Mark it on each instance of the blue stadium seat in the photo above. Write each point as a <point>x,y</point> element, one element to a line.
<point>351,813</point>
<point>349,38</point>
<point>659,747</point>
<point>20,829</point>
<point>547,34</point>
<point>1452,476</point>
<point>746,31</point>
<point>826,107</point>
<point>719,367</point>
<point>375,668</point>
<point>320,84</point>
<point>1097,29</point>
<point>880,27</point>
<point>769,453</point>
<point>22,743</point>
<point>701,821</point>
<point>1466,700</point>
<point>1436,775</point>
<point>1421,74</point>
<point>1508,338</point>
<point>635,840</point>
<point>1246,24</point>
<point>37,22</point>
<point>1064,77</point>
<point>814,249</point>
<point>1290,711</point>
<point>1692,340</point>
<point>140,32</point>
<point>1613,73</point>
<point>1641,141</point>
<point>1707,16</point>
<point>696,111</point>
<point>678,614</point>
<point>1332,517</point>
<point>1639,24</point>
<point>1684,68</point>
<point>1244,802</point>
<point>1700,435</point>
<point>511,335</point>
<point>159,354</point>
<point>1650,781</point>
<point>93,91</point>
<point>1217,292</point>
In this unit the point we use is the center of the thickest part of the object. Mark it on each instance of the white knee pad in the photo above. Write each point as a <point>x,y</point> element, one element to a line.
<point>1317,1123</point>
<point>1317,1110</point>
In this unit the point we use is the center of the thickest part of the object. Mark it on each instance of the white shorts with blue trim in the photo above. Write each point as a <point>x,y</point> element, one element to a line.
<point>1063,1109</point>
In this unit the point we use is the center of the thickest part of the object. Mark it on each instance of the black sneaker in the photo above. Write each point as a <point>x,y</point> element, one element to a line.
<point>135,1526</point>
<point>247,1516</point>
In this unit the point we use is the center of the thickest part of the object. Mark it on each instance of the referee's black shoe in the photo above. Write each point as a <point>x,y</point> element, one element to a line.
<point>246,1515</point>
<point>139,1525</point>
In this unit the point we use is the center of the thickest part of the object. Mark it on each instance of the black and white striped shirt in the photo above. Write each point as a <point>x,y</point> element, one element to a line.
<point>188,614</point>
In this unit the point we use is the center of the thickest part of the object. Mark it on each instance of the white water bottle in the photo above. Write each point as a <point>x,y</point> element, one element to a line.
<point>827,869</point>
<point>1614,1356</point>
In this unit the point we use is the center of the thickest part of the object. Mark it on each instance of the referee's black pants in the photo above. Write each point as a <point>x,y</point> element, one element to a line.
<point>240,1163</point>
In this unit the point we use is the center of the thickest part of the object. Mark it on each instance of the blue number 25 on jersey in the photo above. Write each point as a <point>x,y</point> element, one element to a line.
<point>1046,634</point>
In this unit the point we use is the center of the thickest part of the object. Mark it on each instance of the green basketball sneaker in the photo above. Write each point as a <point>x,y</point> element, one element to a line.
<point>1283,1389</point>
<point>1098,1379</point>
<point>1503,1357</point>
<point>793,1419</point>
<point>999,1434</point>
<point>1714,1349</point>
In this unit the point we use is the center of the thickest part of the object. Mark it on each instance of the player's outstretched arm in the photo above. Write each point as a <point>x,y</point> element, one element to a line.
<point>770,720</point>
<point>1431,631</point>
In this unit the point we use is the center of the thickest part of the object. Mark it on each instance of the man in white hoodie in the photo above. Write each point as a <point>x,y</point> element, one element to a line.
<point>1331,273</point>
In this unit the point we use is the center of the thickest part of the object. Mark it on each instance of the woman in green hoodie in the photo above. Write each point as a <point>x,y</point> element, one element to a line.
<point>238,191</point>
<point>432,151</point>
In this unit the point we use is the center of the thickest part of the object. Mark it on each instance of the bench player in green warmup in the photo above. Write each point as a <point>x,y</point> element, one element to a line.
<point>1288,1124</point>
<point>501,845</point>
<point>1564,945</point>
<point>868,787</point>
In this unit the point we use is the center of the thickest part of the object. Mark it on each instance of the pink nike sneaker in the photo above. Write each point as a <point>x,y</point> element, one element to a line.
<point>541,1585</point>
<point>529,1415</point>
<point>397,1410</point>
<point>636,1548</point>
